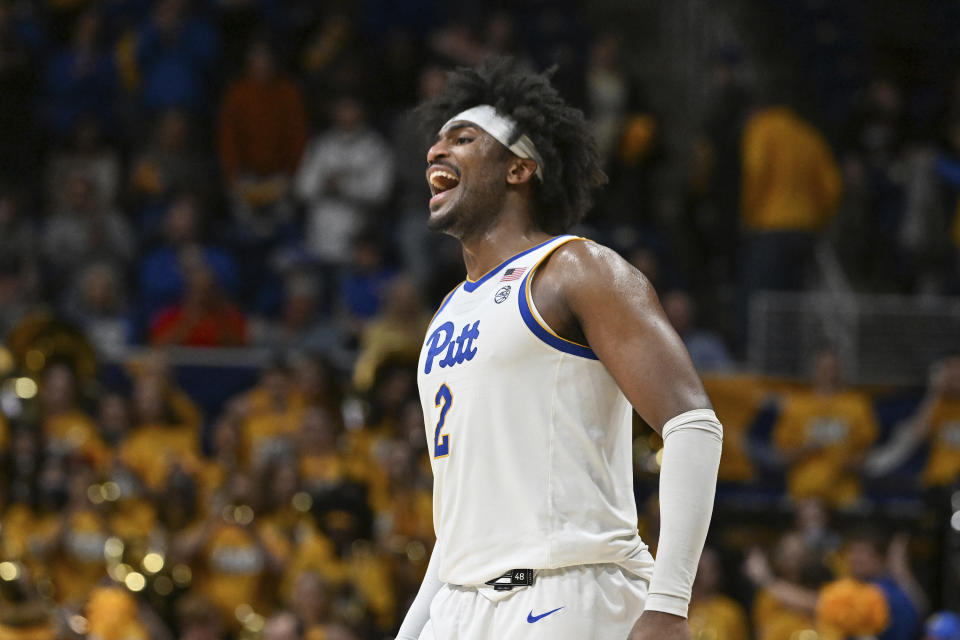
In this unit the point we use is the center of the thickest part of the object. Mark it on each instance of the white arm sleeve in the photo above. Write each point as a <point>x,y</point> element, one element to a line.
<point>688,481</point>
<point>419,611</point>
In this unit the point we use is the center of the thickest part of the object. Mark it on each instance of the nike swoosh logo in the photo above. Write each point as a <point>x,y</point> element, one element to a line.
<point>532,618</point>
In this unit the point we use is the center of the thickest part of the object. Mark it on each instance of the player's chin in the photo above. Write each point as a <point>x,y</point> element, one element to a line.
<point>442,219</point>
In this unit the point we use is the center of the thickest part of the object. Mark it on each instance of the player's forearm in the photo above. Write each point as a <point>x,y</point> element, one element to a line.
<point>688,480</point>
<point>419,611</point>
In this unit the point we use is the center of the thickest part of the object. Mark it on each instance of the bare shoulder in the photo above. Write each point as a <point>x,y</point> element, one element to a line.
<point>598,295</point>
<point>584,268</point>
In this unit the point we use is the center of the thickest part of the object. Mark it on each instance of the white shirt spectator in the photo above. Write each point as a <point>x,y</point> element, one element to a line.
<point>346,172</point>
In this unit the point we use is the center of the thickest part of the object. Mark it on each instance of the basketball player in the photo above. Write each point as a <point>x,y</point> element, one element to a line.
<point>527,377</point>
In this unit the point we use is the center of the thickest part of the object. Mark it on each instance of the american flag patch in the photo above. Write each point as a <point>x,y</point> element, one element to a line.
<point>512,273</point>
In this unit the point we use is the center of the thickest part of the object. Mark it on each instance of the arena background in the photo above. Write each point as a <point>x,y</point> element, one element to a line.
<point>215,278</point>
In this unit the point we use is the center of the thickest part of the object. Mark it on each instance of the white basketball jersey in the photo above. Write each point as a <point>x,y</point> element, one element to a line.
<point>529,436</point>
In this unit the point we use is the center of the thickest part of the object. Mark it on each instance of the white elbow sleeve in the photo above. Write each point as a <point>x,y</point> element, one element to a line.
<point>688,481</point>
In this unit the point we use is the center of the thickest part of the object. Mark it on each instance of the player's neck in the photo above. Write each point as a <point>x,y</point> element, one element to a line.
<point>510,235</point>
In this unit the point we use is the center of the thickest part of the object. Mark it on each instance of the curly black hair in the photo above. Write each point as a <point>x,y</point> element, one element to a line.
<point>572,168</point>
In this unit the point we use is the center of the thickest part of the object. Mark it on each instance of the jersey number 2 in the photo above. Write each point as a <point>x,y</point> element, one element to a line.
<point>441,445</point>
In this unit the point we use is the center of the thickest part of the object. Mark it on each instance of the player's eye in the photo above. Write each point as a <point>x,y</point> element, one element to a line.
<point>464,140</point>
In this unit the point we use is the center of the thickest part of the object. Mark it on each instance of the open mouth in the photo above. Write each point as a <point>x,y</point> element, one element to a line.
<point>441,180</point>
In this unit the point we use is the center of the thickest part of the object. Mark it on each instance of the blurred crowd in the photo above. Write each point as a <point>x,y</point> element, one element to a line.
<point>246,174</point>
<point>165,164</point>
<point>303,508</point>
<point>282,514</point>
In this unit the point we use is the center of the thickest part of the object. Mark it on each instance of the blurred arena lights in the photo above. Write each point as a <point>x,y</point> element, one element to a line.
<point>9,571</point>
<point>25,388</point>
<point>135,581</point>
<point>163,586</point>
<point>152,562</point>
<point>113,548</point>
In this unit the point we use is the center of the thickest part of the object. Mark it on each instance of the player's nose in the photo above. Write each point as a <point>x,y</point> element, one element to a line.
<point>437,151</point>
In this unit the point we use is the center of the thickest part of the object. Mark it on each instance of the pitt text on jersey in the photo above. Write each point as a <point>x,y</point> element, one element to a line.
<point>457,350</point>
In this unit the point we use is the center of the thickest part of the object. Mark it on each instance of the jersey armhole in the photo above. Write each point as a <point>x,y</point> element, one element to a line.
<point>535,322</point>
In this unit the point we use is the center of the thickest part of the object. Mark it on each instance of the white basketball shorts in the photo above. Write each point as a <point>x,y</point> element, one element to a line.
<point>585,602</point>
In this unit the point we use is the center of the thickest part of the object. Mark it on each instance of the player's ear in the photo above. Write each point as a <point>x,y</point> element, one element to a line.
<point>521,170</point>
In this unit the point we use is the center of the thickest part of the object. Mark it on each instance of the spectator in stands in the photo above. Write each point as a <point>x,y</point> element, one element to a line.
<point>155,364</point>
<point>21,475</point>
<point>162,271</point>
<point>18,236</point>
<point>321,465</point>
<point>284,520</point>
<point>414,240</point>
<point>268,416</point>
<point>936,421</point>
<point>874,168</point>
<point>945,245</point>
<point>610,93</point>
<point>113,418</point>
<point>22,455</point>
<point>170,164</point>
<point>706,348</point>
<point>176,53</point>
<point>786,593</point>
<point>283,626</point>
<point>365,281</point>
<point>204,317</point>
<point>16,297</point>
<point>394,385</point>
<point>198,619</point>
<point>813,523</point>
<point>346,174</point>
<point>85,230</point>
<point>262,133</point>
<point>627,136</point>
<point>715,180</point>
<point>223,460</point>
<point>159,442</point>
<point>81,80</point>
<point>791,187</point>
<point>232,563</point>
<point>870,559</point>
<point>300,325</point>
<point>713,614</point>
<point>739,399</point>
<point>395,332</point>
<point>400,498</point>
<point>318,381</point>
<point>98,306</point>
<point>77,563</point>
<point>66,427</point>
<point>87,152</point>
<point>823,433</point>
<point>311,602</point>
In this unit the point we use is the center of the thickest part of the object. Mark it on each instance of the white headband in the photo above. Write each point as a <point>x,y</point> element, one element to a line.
<point>501,128</point>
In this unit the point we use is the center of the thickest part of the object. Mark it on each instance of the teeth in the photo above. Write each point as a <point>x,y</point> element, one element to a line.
<point>441,180</point>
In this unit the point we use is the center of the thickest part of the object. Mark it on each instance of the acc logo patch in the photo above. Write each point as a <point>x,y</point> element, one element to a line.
<point>502,294</point>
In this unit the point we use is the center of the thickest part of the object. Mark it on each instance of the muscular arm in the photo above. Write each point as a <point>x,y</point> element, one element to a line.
<point>589,294</point>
